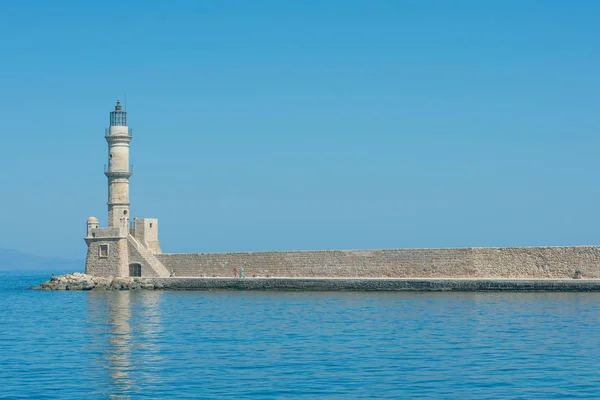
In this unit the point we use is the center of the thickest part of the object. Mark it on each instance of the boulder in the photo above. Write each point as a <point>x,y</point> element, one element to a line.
<point>74,286</point>
<point>102,285</point>
<point>147,286</point>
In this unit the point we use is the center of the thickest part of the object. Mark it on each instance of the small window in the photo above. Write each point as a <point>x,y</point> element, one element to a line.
<point>103,250</point>
<point>150,224</point>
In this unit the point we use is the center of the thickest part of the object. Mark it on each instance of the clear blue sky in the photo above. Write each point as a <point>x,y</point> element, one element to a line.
<point>271,125</point>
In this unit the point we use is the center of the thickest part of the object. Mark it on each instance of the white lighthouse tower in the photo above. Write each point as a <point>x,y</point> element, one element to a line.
<point>118,136</point>
<point>119,250</point>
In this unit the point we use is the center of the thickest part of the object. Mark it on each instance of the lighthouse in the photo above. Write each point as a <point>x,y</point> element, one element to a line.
<point>121,249</point>
<point>118,172</point>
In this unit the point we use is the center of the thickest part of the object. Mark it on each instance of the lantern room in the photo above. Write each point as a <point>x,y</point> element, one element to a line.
<point>118,117</point>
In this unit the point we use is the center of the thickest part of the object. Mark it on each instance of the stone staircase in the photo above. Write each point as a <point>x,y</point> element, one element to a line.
<point>149,258</point>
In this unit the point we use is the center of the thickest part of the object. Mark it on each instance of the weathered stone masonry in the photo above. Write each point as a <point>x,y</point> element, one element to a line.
<point>510,262</point>
<point>122,248</point>
<point>133,249</point>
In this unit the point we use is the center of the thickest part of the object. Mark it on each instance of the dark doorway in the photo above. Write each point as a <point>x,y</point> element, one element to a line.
<point>135,270</point>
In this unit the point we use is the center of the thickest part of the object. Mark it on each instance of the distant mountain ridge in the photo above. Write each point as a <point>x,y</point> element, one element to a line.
<point>13,260</point>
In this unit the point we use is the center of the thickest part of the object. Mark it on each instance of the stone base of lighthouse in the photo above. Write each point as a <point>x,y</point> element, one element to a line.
<point>121,251</point>
<point>107,256</point>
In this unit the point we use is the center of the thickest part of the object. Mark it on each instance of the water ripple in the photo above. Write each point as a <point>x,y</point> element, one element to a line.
<point>126,345</point>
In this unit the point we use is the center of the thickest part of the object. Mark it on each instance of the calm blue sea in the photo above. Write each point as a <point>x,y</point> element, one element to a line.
<point>266,345</point>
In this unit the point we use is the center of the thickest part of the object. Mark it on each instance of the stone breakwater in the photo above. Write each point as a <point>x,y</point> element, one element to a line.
<point>79,281</point>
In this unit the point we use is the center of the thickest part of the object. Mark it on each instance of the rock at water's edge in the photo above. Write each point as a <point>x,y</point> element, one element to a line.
<point>79,281</point>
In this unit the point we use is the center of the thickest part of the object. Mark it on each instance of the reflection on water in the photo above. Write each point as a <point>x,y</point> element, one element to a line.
<point>126,349</point>
<point>297,345</point>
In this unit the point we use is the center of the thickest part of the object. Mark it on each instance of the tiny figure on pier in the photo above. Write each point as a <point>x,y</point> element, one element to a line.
<point>235,272</point>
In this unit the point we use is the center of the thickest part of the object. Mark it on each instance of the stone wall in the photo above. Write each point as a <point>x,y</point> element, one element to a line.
<point>104,233</point>
<point>116,262</point>
<point>146,232</point>
<point>136,258</point>
<point>510,262</point>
